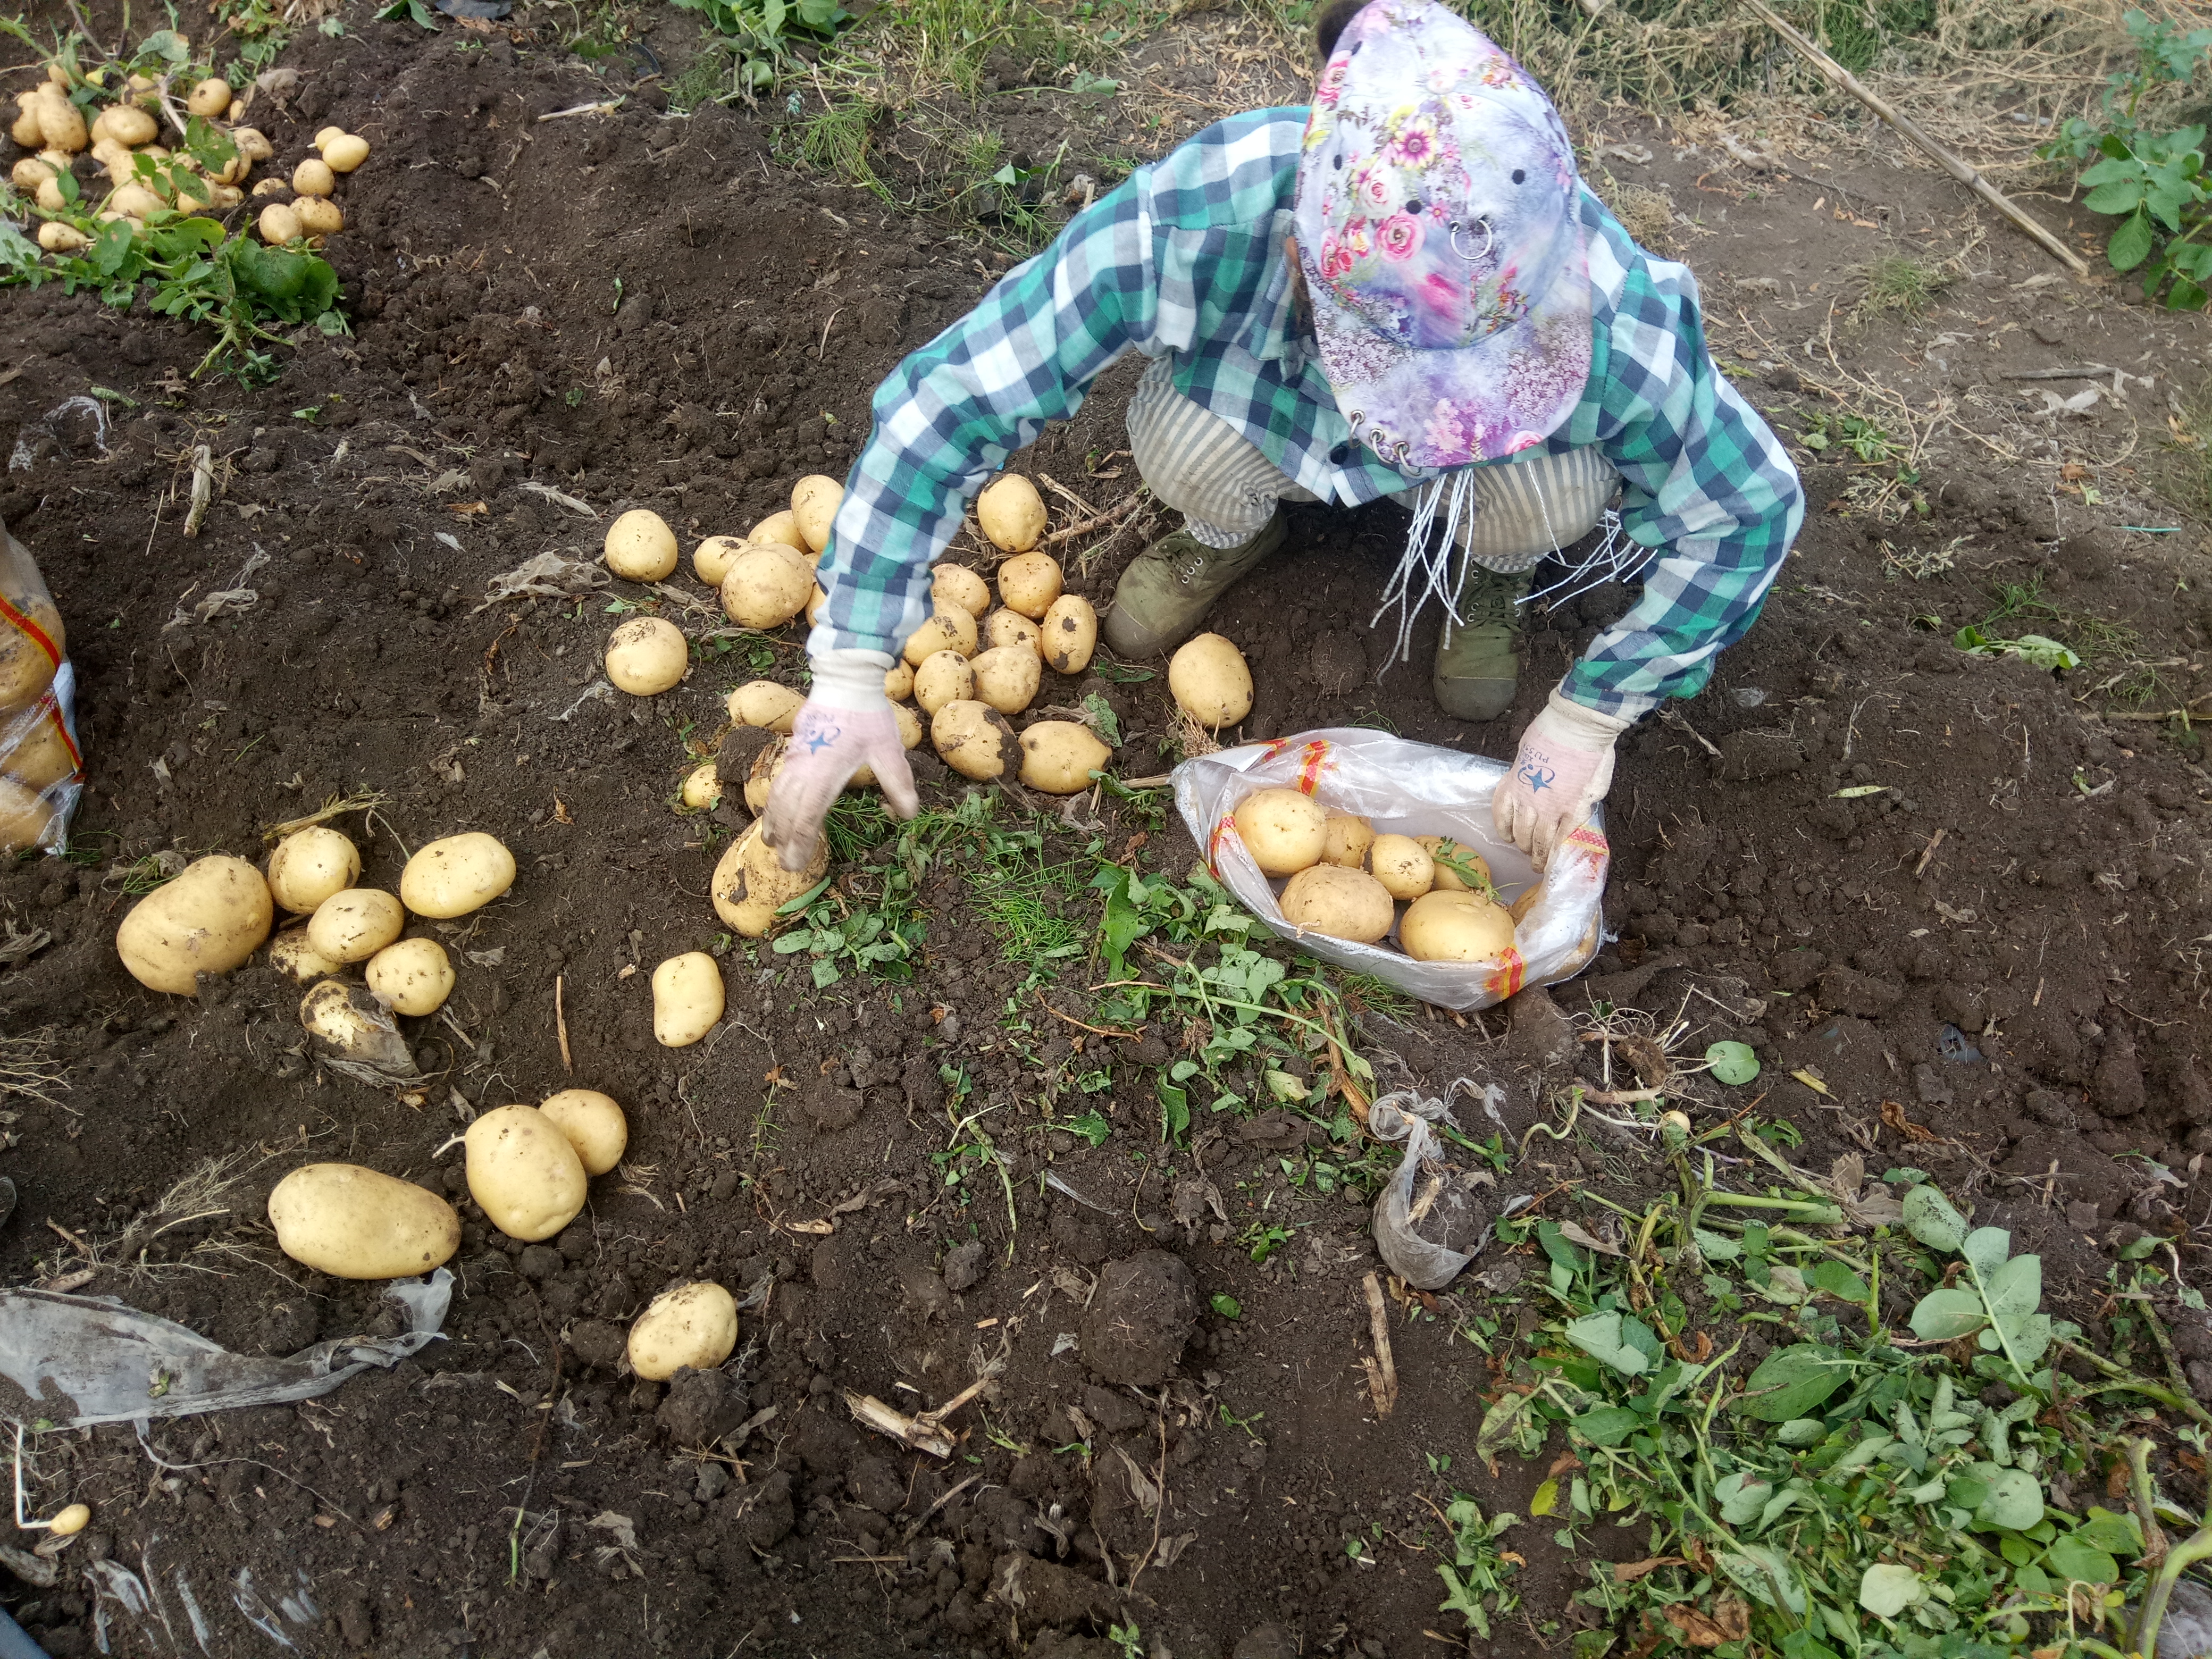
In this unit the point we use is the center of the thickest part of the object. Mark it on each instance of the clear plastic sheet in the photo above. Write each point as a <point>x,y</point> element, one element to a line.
<point>41,767</point>
<point>1410,789</point>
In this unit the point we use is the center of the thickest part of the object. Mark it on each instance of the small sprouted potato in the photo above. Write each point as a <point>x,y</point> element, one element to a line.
<point>1071,634</point>
<point>687,999</point>
<point>949,630</point>
<point>456,874</point>
<point>352,1223</point>
<point>353,924</point>
<point>712,559</point>
<point>292,956</point>
<point>942,677</point>
<point>898,683</point>
<point>525,1171</point>
<point>1403,865</point>
<point>749,885</point>
<point>1011,514</point>
<point>1344,840</point>
<point>1059,757</point>
<point>1347,904</point>
<point>956,584</point>
<point>1004,627</point>
<point>71,1521</point>
<point>764,586</point>
<point>1283,829</point>
<point>694,1325</point>
<point>783,527</point>
<point>1445,851</point>
<point>210,98</point>
<point>973,739</point>
<point>703,787</point>
<point>1450,925</point>
<point>1028,583</point>
<point>412,977</point>
<point>1211,681</point>
<point>309,866</point>
<point>639,546</point>
<point>208,920</point>
<point>1007,678</point>
<point>594,1125</point>
<point>312,177</point>
<point>814,502</point>
<point>765,703</point>
<point>646,656</point>
<point>345,151</point>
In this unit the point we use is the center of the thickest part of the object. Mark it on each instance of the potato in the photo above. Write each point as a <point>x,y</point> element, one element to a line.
<point>1327,898</point>
<point>1071,635</point>
<point>1007,678</point>
<point>70,1519</point>
<point>694,1325</point>
<point>763,702</point>
<point>61,123</point>
<point>210,98</point>
<point>208,920</point>
<point>1004,627</point>
<point>703,787</point>
<point>309,866</point>
<point>1345,838</point>
<point>58,238</point>
<point>956,584</point>
<point>687,999</point>
<point>639,547</point>
<point>25,818</point>
<point>313,178</point>
<point>1209,678</point>
<point>1011,514</point>
<point>319,215</point>
<point>30,172</point>
<point>1028,583</point>
<point>49,196</point>
<point>1058,756</point>
<point>325,135</point>
<point>949,630</point>
<point>345,151</point>
<point>646,656</point>
<point>453,876</point>
<point>594,1125</point>
<point>278,225</point>
<point>766,764</point>
<point>28,656</point>
<point>1528,901</point>
<point>1283,829</point>
<point>898,683</point>
<point>43,755</point>
<point>355,924</point>
<point>227,197</point>
<point>413,977</point>
<point>134,201</point>
<point>292,956</point>
<point>1403,865</point>
<point>782,527</point>
<point>525,1171</point>
<point>815,605</point>
<point>975,740</point>
<point>26,130</point>
<point>1452,925</point>
<point>250,142</point>
<point>763,587</point>
<point>748,885</point>
<point>712,559</point>
<point>942,677</point>
<point>814,503</point>
<point>1441,848</point>
<point>350,1024</point>
<point>352,1223</point>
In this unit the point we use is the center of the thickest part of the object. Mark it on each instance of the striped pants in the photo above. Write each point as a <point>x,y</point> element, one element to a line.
<point>1227,490</point>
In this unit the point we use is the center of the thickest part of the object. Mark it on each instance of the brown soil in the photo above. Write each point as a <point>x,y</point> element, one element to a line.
<point>2031,887</point>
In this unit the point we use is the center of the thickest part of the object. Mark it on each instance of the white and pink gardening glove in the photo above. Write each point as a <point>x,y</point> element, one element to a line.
<point>845,724</point>
<point>1563,767</point>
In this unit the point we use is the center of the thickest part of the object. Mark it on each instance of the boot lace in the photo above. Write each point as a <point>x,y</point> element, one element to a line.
<point>1487,600</point>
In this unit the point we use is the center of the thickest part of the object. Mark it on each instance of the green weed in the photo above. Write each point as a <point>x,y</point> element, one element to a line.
<point>763,35</point>
<point>837,140</point>
<point>1897,285</point>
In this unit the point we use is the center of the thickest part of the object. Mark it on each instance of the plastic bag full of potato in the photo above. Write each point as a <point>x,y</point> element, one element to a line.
<point>1410,789</point>
<point>41,767</point>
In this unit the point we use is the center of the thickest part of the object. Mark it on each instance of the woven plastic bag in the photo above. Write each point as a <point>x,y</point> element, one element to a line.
<point>1404,788</point>
<point>41,767</point>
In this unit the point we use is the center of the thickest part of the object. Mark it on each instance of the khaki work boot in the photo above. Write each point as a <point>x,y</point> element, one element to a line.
<point>1479,664</point>
<point>1169,588</point>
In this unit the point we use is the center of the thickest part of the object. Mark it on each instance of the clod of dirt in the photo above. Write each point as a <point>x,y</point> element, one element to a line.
<point>1537,1034</point>
<point>964,1266</point>
<point>1795,970</point>
<point>1139,1319</point>
<point>597,1343</point>
<point>2118,1086</point>
<point>1850,992</point>
<point>876,1485</point>
<point>700,1408</point>
<point>1746,756</point>
<point>1267,1642</point>
<point>733,760</point>
<point>1275,1131</point>
<point>1046,1593</point>
<point>1338,665</point>
<point>1115,1413</point>
<point>831,1108</point>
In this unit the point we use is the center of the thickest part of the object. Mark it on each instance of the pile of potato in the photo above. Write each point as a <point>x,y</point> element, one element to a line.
<point>36,753</point>
<point>311,214</point>
<point>1348,882</point>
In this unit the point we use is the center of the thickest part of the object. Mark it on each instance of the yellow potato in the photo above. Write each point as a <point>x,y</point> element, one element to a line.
<point>25,818</point>
<point>326,135</point>
<point>750,885</point>
<point>1348,904</point>
<point>61,123</point>
<point>1209,679</point>
<point>278,224</point>
<point>694,1325</point>
<point>814,502</point>
<point>29,656</point>
<point>42,754</point>
<point>1346,839</point>
<point>319,215</point>
<point>594,1125</point>
<point>345,151</point>
<point>712,559</point>
<point>292,956</point>
<point>453,876</point>
<point>1071,635</point>
<point>703,787</point>
<point>352,1223</point>
<point>250,142</point>
<point>313,178</point>
<point>1007,678</point>
<point>71,1521</point>
<point>1441,848</point>
<point>898,683</point>
<point>525,1172</point>
<point>1028,583</point>
<point>208,920</point>
<point>952,629</point>
<point>764,586</point>
<point>1528,901</point>
<point>1059,757</point>
<point>1283,829</point>
<point>306,868</point>
<point>766,764</point>
<point>639,547</point>
<point>956,584</point>
<point>413,977</point>
<point>782,527</point>
<point>134,201</point>
<point>942,677</point>
<point>1011,514</point>
<point>210,98</point>
<point>1451,925</point>
<point>355,924</point>
<point>1004,627</point>
<point>26,130</point>
<point>973,739</point>
<point>58,238</point>
<point>1403,865</point>
<point>30,172</point>
<point>646,656</point>
<point>763,702</point>
<point>687,999</point>
<point>49,196</point>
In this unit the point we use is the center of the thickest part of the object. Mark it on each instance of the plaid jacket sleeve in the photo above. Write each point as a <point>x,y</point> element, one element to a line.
<point>1705,484</point>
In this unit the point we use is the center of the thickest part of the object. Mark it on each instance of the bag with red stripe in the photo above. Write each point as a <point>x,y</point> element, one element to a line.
<point>41,767</point>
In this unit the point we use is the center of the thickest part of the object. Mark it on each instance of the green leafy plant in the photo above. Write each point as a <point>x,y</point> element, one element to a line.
<point>760,34</point>
<point>1478,1578</point>
<point>1871,443</point>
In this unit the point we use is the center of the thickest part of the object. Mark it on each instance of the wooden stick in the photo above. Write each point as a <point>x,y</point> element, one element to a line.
<point>561,1022</point>
<point>1971,178</point>
<point>1381,1370</point>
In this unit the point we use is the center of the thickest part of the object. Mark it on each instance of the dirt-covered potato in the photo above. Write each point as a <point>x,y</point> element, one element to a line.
<point>347,1023</point>
<point>594,1125</point>
<point>687,999</point>
<point>1445,852</point>
<point>309,866</point>
<point>208,920</point>
<point>942,677</point>
<point>1004,627</point>
<point>1059,757</point>
<point>1454,926</point>
<point>25,128</point>
<point>1344,840</point>
<point>1283,829</point>
<point>1028,583</point>
<point>646,656</point>
<point>1209,678</point>
<point>956,584</point>
<point>764,703</point>
<point>209,98</point>
<point>319,215</point>
<point>457,874</point>
<point>783,527</point>
<point>345,151</point>
<point>292,956</point>
<point>1011,514</point>
<point>1327,898</point>
<point>250,142</point>
<point>1403,865</point>
<point>973,739</point>
<point>761,775</point>
<point>750,885</point>
<point>951,629</point>
<point>814,502</point>
<point>1070,634</point>
<point>352,1223</point>
<point>764,586</point>
<point>1006,676</point>
<point>703,787</point>
<point>412,977</point>
<point>353,924</point>
<point>30,172</point>
<point>525,1172</point>
<point>278,224</point>
<point>898,681</point>
<point>639,547</point>
<point>712,559</point>
<point>694,1325</point>
<point>312,177</point>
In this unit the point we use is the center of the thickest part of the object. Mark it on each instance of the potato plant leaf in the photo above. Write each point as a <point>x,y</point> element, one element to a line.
<point>1886,1589</point>
<point>1791,1382</point>
<point>1930,1218</point>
